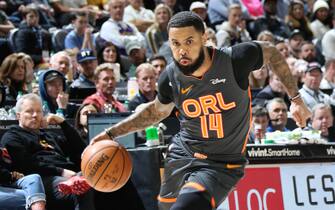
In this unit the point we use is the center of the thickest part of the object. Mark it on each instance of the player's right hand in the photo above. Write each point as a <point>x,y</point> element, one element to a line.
<point>101,136</point>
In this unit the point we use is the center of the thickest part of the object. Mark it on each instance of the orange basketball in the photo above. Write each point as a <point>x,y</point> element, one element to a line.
<point>106,165</point>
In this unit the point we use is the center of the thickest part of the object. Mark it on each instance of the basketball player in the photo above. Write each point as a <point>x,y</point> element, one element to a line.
<point>209,87</point>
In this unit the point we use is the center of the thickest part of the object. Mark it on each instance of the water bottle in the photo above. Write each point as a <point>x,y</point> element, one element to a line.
<point>59,112</point>
<point>152,136</point>
<point>45,108</point>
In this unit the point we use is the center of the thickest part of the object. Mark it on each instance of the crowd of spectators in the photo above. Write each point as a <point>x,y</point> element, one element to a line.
<point>59,49</point>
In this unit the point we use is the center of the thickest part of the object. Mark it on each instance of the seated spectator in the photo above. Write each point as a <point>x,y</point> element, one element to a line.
<point>296,19</point>
<point>17,191</point>
<point>136,14</point>
<point>117,31</point>
<point>277,110</point>
<point>56,158</point>
<point>269,21</point>
<point>81,36</point>
<point>308,52</point>
<point>12,75</point>
<point>146,80</point>
<point>275,89</point>
<point>105,84</point>
<point>200,9</point>
<point>328,80</point>
<point>310,91</point>
<point>61,62</point>
<point>52,86</point>
<point>157,34</point>
<point>234,30</point>
<point>266,36</point>
<point>218,10</point>
<point>65,9</point>
<point>80,122</point>
<point>159,63</point>
<point>136,54</point>
<point>282,47</point>
<point>321,22</point>
<point>260,122</point>
<point>322,119</point>
<point>31,38</point>
<point>88,62</point>
<point>295,41</point>
<point>107,52</point>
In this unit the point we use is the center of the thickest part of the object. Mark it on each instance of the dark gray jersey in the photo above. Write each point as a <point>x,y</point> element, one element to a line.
<point>214,110</point>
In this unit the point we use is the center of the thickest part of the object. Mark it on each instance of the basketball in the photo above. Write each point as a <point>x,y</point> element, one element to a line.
<point>106,165</point>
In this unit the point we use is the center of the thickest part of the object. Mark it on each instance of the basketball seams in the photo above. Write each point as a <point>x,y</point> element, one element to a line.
<point>106,167</point>
<point>92,156</point>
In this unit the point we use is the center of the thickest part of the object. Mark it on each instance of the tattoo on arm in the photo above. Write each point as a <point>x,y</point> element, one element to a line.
<point>279,67</point>
<point>148,116</point>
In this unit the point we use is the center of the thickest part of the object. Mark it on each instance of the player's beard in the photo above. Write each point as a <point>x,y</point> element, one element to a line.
<point>189,69</point>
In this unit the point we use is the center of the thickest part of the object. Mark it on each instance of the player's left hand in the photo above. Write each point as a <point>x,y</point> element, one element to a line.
<point>300,112</point>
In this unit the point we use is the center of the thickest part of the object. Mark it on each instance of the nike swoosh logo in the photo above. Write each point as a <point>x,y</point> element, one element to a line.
<point>186,90</point>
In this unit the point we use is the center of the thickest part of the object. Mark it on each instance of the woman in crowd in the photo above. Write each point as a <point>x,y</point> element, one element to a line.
<point>13,75</point>
<point>109,53</point>
<point>296,19</point>
<point>81,120</point>
<point>321,20</point>
<point>157,34</point>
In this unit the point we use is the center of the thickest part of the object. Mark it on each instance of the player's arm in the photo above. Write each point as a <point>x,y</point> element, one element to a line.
<point>150,113</point>
<point>279,66</point>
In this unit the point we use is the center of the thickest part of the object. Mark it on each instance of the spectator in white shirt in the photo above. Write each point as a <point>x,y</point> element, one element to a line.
<point>117,31</point>
<point>136,14</point>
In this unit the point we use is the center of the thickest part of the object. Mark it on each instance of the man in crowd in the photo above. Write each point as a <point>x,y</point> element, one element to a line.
<point>277,109</point>
<point>87,62</point>
<point>105,84</point>
<point>310,91</point>
<point>146,80</point>
<point>81,36</point>
<point>117,31</point>
<point>260,122</point>
<point>322,119</point>
<point>159,63</point>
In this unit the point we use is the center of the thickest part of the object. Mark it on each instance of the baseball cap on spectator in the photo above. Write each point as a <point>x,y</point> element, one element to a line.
<point>295,32</point>
<point>197,5</point>
<point>85,55</point>
<point>53,74</point>
<point>132,45</point>
<point>313,66</point>
<point>320,4</point>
